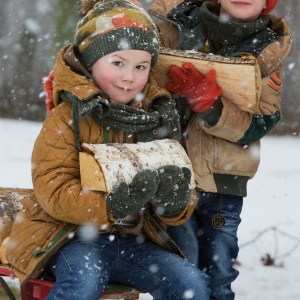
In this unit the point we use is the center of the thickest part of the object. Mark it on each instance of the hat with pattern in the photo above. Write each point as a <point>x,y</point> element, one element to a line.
<point>114,25</point>
<point>269,6</point>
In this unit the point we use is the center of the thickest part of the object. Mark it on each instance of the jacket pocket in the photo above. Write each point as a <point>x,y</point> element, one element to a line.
<point>236,159</point>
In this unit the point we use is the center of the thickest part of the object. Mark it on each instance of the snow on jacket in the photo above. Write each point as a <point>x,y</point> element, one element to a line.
<point>51,215</point>
<point>224,143</point>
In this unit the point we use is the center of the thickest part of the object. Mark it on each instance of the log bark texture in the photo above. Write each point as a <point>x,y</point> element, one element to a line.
<point>106,165</point>
<point>10,201</point>
<point>9,206</point>
<point>240,78</point>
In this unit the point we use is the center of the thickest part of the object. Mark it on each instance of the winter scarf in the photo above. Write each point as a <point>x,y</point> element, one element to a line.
<point>126,118</point>
<point>225,38</point>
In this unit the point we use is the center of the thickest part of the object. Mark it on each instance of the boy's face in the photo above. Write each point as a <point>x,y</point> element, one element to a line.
<point>122,74</point>
<point>242,10</point>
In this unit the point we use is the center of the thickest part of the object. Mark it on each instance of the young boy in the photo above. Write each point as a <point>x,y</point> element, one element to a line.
<point>222,140</point>
<point>102,92</point>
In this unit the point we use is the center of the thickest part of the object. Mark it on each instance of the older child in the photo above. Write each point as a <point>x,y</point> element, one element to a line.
<point>103,93</point>
<point>222,140</point>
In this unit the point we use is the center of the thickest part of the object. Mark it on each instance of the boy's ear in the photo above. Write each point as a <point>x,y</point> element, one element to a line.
<point>265,6</point>
<point>86,6</point>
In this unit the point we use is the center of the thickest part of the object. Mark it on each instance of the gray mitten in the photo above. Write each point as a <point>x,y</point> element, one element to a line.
<point>169,119</point>
<point>96,107</point>
<point>130,198</point>
<point>174,190</point>
<point>169,122</point>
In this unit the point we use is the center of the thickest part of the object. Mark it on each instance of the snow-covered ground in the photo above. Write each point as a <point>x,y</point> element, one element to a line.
<point>270,218</point>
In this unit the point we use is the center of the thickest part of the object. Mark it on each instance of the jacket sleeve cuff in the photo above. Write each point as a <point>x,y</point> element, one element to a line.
<point>213,115</point>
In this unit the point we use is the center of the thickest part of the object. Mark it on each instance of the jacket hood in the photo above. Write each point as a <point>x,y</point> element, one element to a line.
<point>70,76</point>
<point>276,52</point>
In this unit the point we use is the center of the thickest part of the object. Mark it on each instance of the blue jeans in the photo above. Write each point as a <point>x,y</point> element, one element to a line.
<point>212,250</point>
<point>83,268</point>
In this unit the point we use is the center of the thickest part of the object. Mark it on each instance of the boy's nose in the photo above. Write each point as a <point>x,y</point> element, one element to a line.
<point>128,75</point>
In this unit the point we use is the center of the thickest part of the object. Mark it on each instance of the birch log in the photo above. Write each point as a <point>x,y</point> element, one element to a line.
<point>239,78</point>
<point>10,201</point>
<point>10,205</point>
<point>106,165</point>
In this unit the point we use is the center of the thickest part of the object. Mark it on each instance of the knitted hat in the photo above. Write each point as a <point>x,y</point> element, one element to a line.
<point>114,25</point>
<point>270,5</point>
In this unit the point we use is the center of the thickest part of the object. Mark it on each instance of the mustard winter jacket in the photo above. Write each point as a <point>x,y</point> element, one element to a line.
<point>224,143</point>
<point>59,204</point>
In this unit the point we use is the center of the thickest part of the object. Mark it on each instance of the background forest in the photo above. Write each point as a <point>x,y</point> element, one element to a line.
<point>32,31</point>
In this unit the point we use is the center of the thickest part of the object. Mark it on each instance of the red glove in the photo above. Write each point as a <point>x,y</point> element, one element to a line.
<point>48,87</point>
<point>201,91</point>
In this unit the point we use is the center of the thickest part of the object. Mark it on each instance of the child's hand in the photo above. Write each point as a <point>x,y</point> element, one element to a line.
<point>184,80</point>
<point>201,91</point>
<point>174,190</point>
<point>130,198</point>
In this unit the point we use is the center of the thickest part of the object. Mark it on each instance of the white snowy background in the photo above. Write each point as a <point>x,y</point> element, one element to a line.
<point>270,217</point>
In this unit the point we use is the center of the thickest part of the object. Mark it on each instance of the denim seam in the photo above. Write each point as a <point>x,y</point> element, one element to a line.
<point>167,284</point>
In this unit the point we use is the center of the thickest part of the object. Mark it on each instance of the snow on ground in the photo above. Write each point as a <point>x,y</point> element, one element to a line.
<point>270,222</point>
